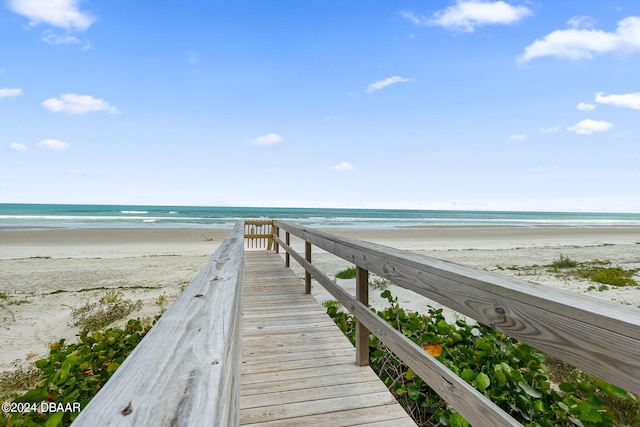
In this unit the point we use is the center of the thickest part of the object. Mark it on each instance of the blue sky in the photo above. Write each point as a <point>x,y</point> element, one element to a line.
<point>505,105</point>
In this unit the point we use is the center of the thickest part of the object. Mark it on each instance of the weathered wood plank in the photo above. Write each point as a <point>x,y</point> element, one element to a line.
<point>599,336</point>
<point>186,371</point>
<point>304,383</point>
<point>293,360</point>
<point>256,368</point>
<point>266,351</point>
<point>301,355</point>
<point>311,393</point>
<point>323,407</point>
<point>386,416</point>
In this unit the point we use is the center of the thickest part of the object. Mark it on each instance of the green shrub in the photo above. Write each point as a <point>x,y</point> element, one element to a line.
<point>564,262</point>
<point>379,283</point>
<point>75,372</point>
<point>349,273</point>
<point>111,307</point>
<point>614,276</point>
<point>19,380</point>
<point>510,373</point>
<point>597,270</point>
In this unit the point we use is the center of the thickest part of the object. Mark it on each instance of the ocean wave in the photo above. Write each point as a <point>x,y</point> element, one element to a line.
<point>134,212</point>
<point>82,216</point>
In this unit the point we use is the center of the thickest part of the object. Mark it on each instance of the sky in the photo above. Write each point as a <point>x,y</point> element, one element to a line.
<point>428,104</point>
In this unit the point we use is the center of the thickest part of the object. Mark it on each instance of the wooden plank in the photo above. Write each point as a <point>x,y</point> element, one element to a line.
<point>318,407</point>
<point>304,383</point>
<point>312,393</point>
<point>260,331</point>
<point>387,415</point>
<point>298,364</point>
<point>281,349</point>
<point>302,355</point>
<point>598,336</point>
<point>186,370</point>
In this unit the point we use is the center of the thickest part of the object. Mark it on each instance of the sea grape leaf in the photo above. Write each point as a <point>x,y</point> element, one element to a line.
<point>482,381</point>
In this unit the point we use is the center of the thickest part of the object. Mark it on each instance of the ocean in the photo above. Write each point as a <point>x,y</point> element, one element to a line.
<point>19,216</point>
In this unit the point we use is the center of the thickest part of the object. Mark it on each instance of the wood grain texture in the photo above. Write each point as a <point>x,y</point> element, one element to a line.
<point>186,371</point>
<point>297,366</point>
<point>362,333</point>
<point>598,336</point>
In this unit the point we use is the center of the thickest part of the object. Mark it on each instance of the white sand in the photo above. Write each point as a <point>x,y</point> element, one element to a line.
<point>35,263</point>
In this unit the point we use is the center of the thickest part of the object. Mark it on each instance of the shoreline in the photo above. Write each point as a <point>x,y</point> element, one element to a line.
<point>36,264</point>
<point>116,242</point>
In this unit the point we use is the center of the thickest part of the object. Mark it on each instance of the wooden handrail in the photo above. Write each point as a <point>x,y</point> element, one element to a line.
<point>598,336</point>
<point>258,234</point>
<point>186,370</point>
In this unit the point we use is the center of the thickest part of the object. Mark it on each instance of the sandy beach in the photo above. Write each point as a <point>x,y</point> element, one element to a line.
<point>47,273</point>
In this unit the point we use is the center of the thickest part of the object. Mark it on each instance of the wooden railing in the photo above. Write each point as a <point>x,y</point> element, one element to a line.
<point>258,234</point>
<point>598,336</point>
<point>186,371</point>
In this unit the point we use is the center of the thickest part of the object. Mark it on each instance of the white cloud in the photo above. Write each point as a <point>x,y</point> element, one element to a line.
<point>581,22</point>
<point>585,107</point>
<point>411,17</point>
<point>7,92</point>
<point>576,43</point>
<point>53,144</point>
<point>268,139</point>
<point>550,130</point>
<point>58,13</point>
<point>343,166</point>
<point>466,15</point>
<point>56,39</point>
<point>386,82</point>
<point>72,103</point>
<point>588,126</point>
<point>629,100</point>
<point>519,138</point>
<point>14,146</point>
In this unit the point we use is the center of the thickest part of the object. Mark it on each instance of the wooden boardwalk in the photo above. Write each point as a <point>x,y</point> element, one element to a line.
<point>297,366</point>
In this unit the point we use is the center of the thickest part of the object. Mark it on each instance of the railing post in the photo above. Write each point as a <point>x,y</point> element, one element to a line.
<point>307,275</point>
<point>287,257</point>
<point>276,232</point>
<point>362,333</point>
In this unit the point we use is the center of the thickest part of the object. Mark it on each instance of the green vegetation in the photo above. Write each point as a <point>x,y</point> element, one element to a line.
<point>162,302</point>
<point>75,372</point>
<point>71,373</point>
<point>564,262</point>
<point>512,374</point>
<point>21,379</point>
<point>375,282</point>
<point>600,271</point>
<point>8,300</point>
<point>614,276</point>
<point>111,307</point>
<point>349,273</point>
<point>102,288</point>
<point>379,283</point>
